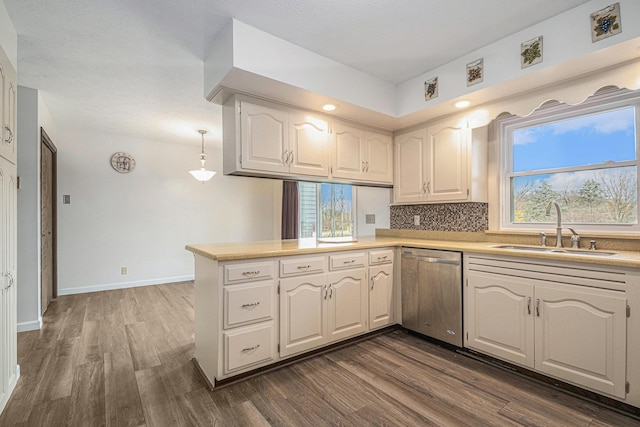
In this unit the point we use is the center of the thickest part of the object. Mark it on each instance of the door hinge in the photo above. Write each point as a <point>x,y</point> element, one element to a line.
<point>240,158</point>
<point>331,169</point>
<point>467,336</point>
<point>278,348</point>
<point>18,182</point>
<point>627,387</point>
<point>239,108</point>
<point>628,311</point>
<point>467,192</point>
<point>278,289</point>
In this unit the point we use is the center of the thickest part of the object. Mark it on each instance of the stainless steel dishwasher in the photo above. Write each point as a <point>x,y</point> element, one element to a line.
<point>432,293</point>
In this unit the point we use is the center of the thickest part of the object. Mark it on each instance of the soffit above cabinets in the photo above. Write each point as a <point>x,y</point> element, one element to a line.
<point>246,60</point>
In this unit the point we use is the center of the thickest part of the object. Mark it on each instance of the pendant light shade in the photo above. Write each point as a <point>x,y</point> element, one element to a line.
<point>202,174</point>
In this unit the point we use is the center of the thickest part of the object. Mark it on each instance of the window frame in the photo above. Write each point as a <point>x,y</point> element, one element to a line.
<point>599,103</point>
<point>318,207</point>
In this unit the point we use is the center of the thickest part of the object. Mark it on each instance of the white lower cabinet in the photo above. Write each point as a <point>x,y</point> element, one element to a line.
<point>565,330</point>
<point>347,304</point>
<point>252,313</point>
<point>303,313</point>
<point>381,296</point>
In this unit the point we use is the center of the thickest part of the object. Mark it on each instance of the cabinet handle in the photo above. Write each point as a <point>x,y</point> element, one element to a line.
<point>10,139</point>
<point>364,169</point>
<point>290,157</point>
<point>538,307</point>
<point>330,290</point>
<point>253,304</point>
<point>529,305</point>
<point>382,258</point>
<point>428,187</point>
<point>349,262</point>
<point>424,188</point>
<point>372,283</point>
<point>325,291</point>
<point>304,267</point>
<point>248,349</point>
<point>251,273</point>
<point>367,166</point>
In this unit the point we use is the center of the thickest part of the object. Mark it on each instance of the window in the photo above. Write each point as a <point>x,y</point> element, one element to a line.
<point>327,210</point>
<point>585,157</point>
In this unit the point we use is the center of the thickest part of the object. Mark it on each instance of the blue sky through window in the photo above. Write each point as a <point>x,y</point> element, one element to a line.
<point>585,140</point>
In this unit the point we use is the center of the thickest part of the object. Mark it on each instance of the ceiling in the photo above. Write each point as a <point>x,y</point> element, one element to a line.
<point>136,67</point>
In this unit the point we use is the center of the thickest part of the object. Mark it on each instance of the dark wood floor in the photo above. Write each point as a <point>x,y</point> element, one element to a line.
<point>123,358</point>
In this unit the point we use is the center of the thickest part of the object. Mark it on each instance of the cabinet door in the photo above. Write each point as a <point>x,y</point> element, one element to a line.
<point>309,145</point>
<point>448,166</point>
<point>347,304</point>
<point>410,179</point>
<point>498,315</point>
<point>303,313</point>
<point>378,157</point>
<point>8,108</point>
<point>581,336</point>
<point>348,160</point>
<point>265,136</point>
<point>380,296</point>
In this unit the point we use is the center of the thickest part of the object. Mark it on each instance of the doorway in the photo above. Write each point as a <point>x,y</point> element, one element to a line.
<point>48,215</point>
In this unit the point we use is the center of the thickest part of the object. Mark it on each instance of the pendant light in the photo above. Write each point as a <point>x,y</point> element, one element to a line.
<point>202,174</point>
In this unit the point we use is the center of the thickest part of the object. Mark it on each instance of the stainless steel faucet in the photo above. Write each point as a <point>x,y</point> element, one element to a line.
<point>559,223</point>
<point>575,238</point>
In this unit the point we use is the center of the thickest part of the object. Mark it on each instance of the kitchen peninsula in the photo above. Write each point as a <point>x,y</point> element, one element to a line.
<point>572,312</point>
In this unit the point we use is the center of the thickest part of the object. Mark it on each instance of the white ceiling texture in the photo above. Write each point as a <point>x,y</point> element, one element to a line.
<point>135,67</point>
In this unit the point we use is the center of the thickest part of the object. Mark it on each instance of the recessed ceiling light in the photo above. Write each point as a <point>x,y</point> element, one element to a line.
<point>328,107</point>
<point>462,104</point>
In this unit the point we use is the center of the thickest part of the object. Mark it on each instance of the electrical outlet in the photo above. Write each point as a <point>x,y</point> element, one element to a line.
<point>370,218</point>
<point>416,220</point>
<point>123,270</point>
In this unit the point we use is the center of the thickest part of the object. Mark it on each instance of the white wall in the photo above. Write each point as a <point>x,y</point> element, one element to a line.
<point>32,115</point>
<point>143,220</point>
<point>373,200</point>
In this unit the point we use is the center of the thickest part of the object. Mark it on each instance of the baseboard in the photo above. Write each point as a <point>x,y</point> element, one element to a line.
<point>33,325</point>
<point>123,285</point>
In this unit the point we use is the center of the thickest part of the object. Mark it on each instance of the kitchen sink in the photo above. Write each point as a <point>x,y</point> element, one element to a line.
<point>554,250</point>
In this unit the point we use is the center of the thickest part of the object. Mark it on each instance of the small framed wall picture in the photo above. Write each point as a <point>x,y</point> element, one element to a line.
<point>605,22</point>
<point>431,89</point>
<point>475,72</point>
<point>531,52</point>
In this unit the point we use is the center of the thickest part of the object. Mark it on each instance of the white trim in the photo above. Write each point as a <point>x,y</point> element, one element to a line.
<point>597,103</point>
<point>33,325</point>
<point>123,285</point>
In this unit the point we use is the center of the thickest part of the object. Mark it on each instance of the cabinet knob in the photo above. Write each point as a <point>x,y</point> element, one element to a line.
<point>9,140</point>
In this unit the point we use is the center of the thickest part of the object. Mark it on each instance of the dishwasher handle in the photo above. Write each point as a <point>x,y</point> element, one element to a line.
<point>432,259</point>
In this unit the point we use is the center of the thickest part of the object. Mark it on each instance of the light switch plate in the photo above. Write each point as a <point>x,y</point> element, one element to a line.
<point>416,220</point>
<point>66,199</point>
<point>370,218</point>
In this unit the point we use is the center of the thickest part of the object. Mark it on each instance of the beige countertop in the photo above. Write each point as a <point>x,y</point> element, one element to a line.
<point>464,242</point>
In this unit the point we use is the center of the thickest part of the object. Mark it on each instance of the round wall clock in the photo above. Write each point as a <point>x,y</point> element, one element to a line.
<point>123,162</point>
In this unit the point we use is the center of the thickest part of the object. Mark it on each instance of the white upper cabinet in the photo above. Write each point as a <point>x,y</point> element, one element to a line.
<point>410,183</point>
<point>271,140</point>
<point>434,164</point>
<point>8,108</point>
<point>265,138</point>
<point>448,166</point>
<point>309,139</point>
<point>361,155</point>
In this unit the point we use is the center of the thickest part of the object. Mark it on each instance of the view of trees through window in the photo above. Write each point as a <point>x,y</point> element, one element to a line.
<point>331,205</point>
<point>586,163</point>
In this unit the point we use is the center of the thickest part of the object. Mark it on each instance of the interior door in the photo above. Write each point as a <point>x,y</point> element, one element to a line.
<point>48,221</point>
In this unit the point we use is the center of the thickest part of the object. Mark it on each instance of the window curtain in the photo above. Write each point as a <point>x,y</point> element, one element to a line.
<point>289,210</point>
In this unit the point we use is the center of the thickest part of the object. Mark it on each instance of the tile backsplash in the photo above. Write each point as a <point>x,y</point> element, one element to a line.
<point>471,217</point>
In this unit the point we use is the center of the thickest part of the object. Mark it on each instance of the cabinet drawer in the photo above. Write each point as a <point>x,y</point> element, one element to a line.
<point>384,256</point>
<point>295,267</point>
<point>248,303</point>
<point>347,260</point>
<point>248,272</point>
<point>248,346</point>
